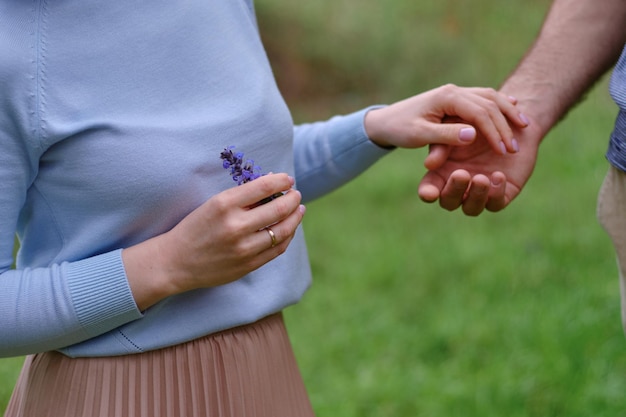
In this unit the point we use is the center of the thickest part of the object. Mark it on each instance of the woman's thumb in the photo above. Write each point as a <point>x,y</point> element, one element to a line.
<point>456,134</point>
<point>466,134</point>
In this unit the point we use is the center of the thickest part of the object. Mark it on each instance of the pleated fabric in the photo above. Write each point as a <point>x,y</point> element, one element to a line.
<point>246,371</point>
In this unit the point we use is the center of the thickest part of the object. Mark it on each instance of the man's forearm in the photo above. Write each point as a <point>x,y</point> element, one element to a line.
<point>579,41</point>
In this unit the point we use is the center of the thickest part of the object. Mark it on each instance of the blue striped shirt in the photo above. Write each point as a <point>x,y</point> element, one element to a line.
<point>616,153</point>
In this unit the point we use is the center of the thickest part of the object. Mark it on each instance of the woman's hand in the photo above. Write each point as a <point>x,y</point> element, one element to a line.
<point>219,242</point>
<point>427,118</point>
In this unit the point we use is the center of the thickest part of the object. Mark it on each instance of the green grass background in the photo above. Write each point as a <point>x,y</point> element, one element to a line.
<point>416,311</point>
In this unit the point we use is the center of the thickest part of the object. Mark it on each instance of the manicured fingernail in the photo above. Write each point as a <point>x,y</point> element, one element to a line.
<point>292,180</point>
<point>503,147</point>
<point>513,99</point>
<point>467,134</point>
<point>524,119</point>
<point>302,209</point>
<point>515,145</point>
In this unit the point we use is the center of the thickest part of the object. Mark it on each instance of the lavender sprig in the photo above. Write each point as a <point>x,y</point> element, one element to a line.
<point>243,171</point>
<point>240,171</point>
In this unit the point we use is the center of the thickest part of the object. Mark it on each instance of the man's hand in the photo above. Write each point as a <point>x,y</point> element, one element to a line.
<point>475,178</point>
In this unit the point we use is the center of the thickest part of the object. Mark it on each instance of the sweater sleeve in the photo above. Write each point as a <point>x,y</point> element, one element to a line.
<point>331,153</point>
<point>51,307</point>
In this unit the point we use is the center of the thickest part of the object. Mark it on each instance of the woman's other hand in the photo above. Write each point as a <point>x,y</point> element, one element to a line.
<point>219,242</point>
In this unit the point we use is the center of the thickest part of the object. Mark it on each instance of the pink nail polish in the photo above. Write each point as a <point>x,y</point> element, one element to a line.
<point>503,147</point>
<point>515,145</point>
<point>524,119</point>
<point>467,134</point>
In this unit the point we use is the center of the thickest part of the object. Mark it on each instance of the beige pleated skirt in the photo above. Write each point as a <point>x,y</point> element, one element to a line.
<point>246,371</point>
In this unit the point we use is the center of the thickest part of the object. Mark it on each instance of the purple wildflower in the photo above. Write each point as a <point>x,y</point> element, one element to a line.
<point>242,172</point>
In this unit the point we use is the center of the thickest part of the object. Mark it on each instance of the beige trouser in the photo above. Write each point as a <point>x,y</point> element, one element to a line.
<point>612,215</point>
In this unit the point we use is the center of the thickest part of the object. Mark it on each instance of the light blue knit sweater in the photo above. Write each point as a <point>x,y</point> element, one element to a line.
<point>112,118</point>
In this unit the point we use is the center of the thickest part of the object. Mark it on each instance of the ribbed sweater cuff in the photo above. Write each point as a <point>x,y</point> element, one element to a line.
<point>358,152</point>
<point>101,294</point>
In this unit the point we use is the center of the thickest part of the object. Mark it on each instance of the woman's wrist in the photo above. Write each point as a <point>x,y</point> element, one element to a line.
<point>149,276</point>
<point>373,125</point>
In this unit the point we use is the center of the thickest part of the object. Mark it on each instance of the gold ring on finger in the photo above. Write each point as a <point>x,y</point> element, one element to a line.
<point>272,236</point>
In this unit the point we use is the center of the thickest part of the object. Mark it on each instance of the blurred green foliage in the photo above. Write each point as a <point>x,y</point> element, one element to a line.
<point>415,311</point>
<point>330,56</point>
